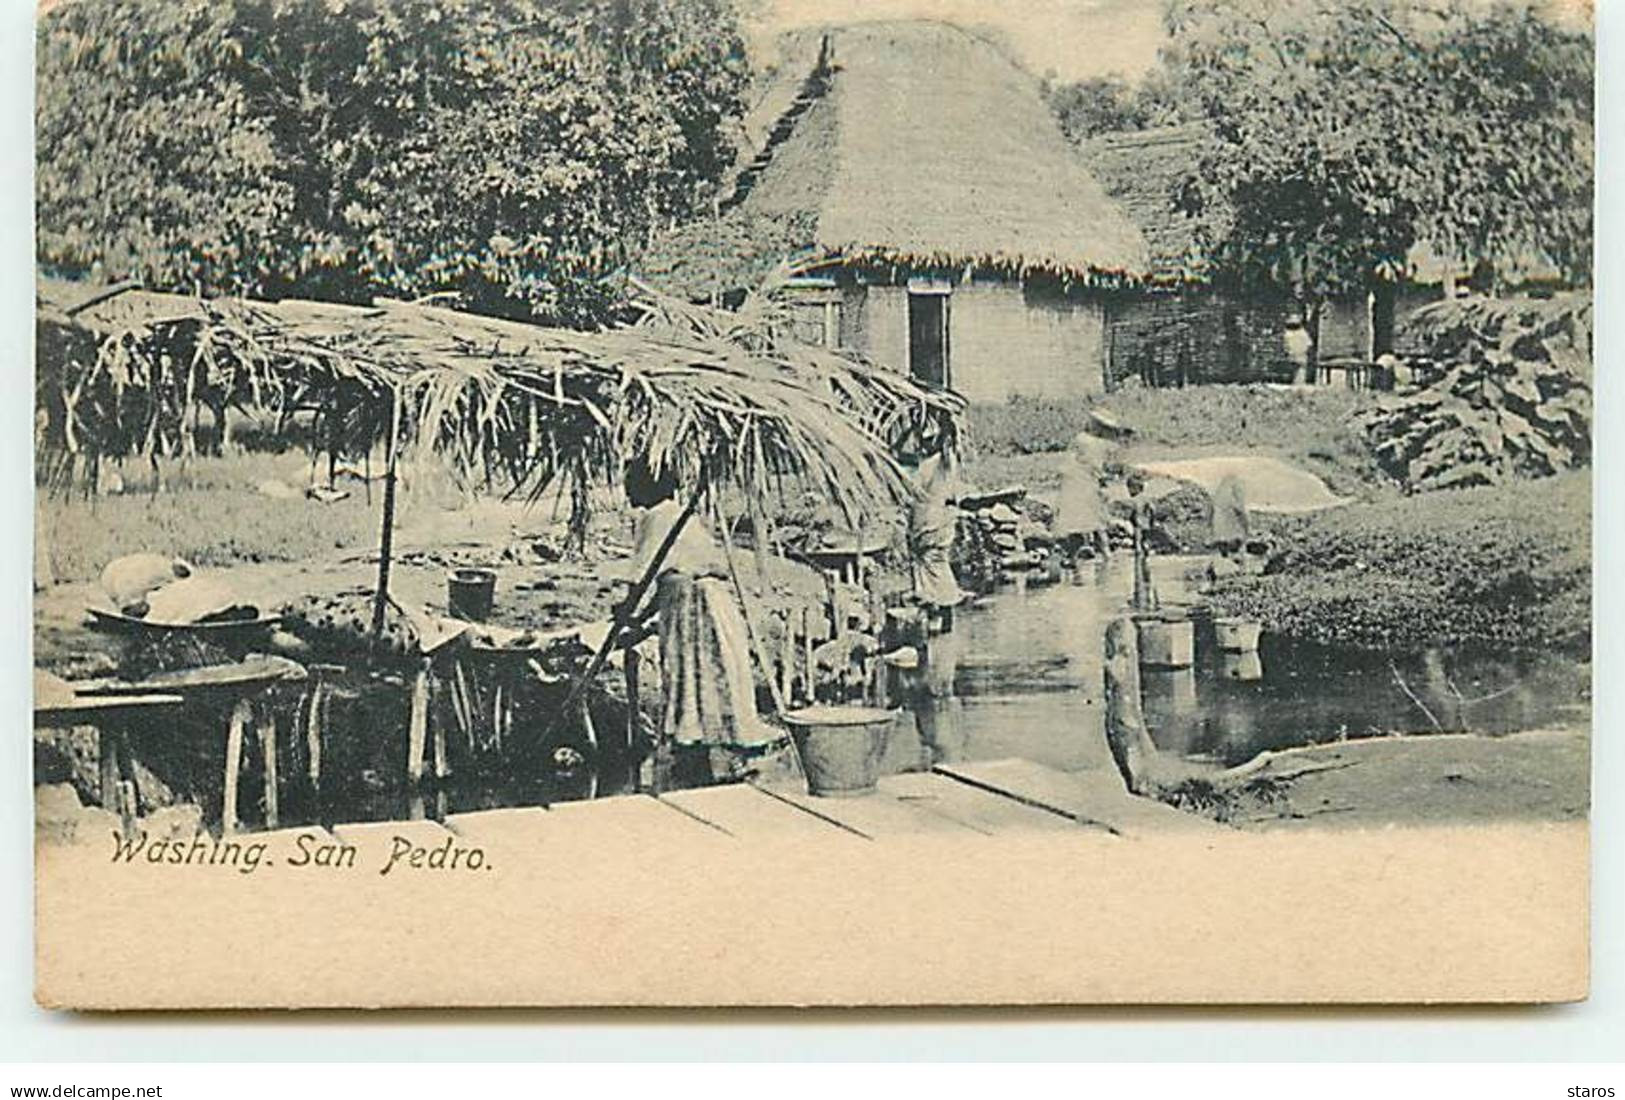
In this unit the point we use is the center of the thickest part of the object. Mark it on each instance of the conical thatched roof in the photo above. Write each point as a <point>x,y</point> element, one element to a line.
<point>912,143</point>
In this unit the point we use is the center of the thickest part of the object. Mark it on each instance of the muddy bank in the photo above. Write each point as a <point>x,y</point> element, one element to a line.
<point>1448,779</point>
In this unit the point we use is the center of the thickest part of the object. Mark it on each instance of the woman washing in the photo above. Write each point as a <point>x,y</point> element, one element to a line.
<point>933,519</point>
<point>709,704</point>
<point>1080,509</point>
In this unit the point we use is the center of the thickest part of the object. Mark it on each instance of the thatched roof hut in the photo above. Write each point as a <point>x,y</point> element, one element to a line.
<point>903,167</point>
<point>917,144</point>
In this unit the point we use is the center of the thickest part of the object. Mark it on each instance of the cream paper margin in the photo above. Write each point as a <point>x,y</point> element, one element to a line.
<point>1482,914</point>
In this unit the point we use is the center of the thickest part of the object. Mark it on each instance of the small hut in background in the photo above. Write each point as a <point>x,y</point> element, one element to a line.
<point>1176,330</point>
<point>936,218</point>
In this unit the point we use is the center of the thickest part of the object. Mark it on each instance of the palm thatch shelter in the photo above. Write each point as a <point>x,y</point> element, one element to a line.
<point>728,402</point>
<point>934,215</point>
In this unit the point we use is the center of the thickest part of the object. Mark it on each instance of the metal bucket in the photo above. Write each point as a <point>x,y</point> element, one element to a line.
<point>470,593</point>
<point>1166,641</point>
<point>1237,635</point>
<point>841,747</point>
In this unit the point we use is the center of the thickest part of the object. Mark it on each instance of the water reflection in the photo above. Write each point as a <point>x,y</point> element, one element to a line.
<point>1026,682</point>
<point>1168,697</point>
<point>1021,676</point>
<point>1240,666</point>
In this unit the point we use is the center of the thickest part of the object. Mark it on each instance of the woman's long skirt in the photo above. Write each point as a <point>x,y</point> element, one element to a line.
<point>710,694</point>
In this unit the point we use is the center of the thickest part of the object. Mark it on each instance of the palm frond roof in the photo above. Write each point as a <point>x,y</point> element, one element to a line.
<point>723,399</point>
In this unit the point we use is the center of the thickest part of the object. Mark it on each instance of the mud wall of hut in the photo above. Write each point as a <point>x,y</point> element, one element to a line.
<point>1003,340</point>
<point>1007,341</point>
<point>874,320</point>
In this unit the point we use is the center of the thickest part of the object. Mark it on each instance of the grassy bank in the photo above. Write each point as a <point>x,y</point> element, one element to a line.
<point>1507,565</point>
<point>210,513</point>
<point>1014,442</point>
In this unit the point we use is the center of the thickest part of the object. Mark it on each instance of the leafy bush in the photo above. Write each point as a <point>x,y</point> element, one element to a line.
<point>1508,564</point>
<point>1511,395</point>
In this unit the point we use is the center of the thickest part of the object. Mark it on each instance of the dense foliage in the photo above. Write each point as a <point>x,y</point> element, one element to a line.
<point>1508,564</point>
<point>1104,104</point>
<point>513,153</point>
<point>1341,136</point>
<point>1511,395</point>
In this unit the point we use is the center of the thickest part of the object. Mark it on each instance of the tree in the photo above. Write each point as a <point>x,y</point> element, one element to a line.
<point>1341,136</point>
<point>1103,104</point>
<point>1096,105</point>
<point>514,155</point>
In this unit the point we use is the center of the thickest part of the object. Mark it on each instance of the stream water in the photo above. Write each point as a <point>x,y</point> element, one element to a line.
<point>1021,676</point>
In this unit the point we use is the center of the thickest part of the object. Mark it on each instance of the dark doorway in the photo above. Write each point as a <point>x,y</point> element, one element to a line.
<point>928,338</point>
<point>1384,295</point>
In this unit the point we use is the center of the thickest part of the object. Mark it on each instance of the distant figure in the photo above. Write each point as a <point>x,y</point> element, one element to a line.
<point>709,691</point>
<point>1297,341</point>
<point>933,519</point>
<point>1231,529</point>
<point>1145,594</point>
<point>1080,509</point>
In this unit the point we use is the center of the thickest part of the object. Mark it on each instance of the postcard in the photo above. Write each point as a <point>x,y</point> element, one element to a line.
<point>713,502</point>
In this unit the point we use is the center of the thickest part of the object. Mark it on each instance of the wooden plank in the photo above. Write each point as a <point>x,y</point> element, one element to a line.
<point>1097,798</point>
<point>974,806</point>
<point>266,729</point>
<point>876,816</point>
<point>744,812</point>
<point>241,715</point>
<point>636,820</point>
<point>513,826</point>
<point>107,757</point>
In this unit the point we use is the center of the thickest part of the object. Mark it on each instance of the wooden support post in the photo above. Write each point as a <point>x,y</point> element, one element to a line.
<point>499,707</point>
<point>633,660</point>
<point>462,696</point>
<point>809,685</point>
<point>316,721</point>
<point>1132,749</point>
<point>587,726</point>
<point>787,659</point>
<point>386,536</point>
<point>129,807</point>
<point>107,752</point>
<point>417,723</point>
<point>266,729</point>
<point>437,727</point>
<point>241,714</point>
